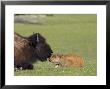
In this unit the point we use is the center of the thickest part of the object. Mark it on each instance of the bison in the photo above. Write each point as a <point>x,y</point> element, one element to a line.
<point>28,50</point>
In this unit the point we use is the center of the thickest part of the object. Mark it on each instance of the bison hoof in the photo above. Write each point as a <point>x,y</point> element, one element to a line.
<point>24,66</point>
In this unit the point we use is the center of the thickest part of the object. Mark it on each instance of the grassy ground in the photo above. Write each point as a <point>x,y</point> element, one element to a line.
<point>76,34</point>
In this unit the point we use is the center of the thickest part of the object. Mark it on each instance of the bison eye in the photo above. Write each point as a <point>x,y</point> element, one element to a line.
<point>32,44</point>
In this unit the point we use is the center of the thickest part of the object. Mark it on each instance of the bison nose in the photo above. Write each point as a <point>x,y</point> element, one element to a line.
<point>48,56</point>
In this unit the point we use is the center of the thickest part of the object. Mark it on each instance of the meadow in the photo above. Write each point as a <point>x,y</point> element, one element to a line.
<point>66,34</point>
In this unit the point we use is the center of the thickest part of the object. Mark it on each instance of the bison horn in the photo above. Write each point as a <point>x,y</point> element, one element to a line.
<point>37,38</point>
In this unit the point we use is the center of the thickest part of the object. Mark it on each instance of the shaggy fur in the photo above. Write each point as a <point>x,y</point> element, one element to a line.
<point>30,49</point>
<point>67,60</point>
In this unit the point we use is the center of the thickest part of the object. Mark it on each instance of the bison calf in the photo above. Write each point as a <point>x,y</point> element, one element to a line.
<point>67,60</point>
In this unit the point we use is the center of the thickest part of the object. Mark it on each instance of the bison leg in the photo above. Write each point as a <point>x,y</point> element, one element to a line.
<point>24,66</point>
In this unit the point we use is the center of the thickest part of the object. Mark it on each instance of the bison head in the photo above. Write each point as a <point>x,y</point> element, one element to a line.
<point>41,48</point>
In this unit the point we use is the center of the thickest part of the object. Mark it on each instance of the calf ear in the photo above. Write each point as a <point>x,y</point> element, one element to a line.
<point>60,55</point>
<point>37,39</point>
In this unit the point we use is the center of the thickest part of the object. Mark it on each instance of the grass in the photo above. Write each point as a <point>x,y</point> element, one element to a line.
<point>66,34</point>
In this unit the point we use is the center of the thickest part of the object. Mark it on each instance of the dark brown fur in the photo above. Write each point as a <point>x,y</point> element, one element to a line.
<point>30,49</point>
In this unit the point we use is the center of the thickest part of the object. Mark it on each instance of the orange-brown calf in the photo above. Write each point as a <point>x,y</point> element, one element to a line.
<point>67,60</point>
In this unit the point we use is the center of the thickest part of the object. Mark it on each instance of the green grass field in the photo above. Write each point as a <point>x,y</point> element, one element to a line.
<point>66,34</point>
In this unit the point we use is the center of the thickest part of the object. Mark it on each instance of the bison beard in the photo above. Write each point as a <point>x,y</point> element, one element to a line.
<point>30,49</point>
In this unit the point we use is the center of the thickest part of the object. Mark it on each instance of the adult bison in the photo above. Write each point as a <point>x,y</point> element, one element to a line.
<point>30,49</point>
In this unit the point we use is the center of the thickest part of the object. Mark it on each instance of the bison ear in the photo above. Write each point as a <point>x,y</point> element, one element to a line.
<point>37,38</point>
